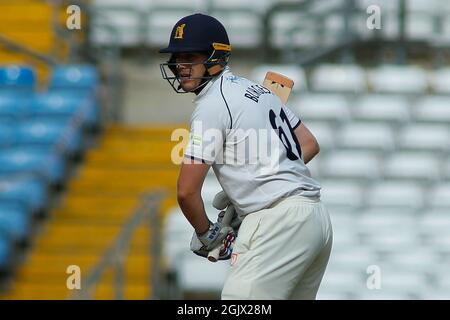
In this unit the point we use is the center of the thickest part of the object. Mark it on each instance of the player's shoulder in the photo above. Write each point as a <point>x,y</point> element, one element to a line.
<point>242,89</point>
<point>226,87</point>
<point>233,81</point>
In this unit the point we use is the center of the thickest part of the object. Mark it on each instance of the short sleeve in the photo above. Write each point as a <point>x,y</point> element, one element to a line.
<point>293,119</point>
<point>209,125</point>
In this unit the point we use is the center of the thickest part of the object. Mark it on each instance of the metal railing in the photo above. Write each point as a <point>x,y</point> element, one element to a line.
<point>345,39</point>
<point>107,58</point>
<point>315,25</point>
<point>115,256</point>
<point>12,45</point>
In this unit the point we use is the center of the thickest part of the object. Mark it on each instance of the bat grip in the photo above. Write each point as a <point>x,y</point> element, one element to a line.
<point>214,254</point>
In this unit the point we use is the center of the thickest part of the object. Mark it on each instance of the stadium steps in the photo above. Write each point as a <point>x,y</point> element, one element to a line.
<point>103,194</point>
<point>29,22</point>
<point>44,291</point>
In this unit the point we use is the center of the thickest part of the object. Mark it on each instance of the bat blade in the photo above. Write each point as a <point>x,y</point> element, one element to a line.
<point>279,84</point>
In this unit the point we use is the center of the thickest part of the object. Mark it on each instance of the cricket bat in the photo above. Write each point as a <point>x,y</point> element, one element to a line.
<point>281,86</point>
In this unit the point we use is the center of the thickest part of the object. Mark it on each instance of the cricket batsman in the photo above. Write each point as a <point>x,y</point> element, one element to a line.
<point>281,248</point>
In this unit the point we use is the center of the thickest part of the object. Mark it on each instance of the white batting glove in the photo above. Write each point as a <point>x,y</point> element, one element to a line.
<point>215,235</point>
<point>225,253</point>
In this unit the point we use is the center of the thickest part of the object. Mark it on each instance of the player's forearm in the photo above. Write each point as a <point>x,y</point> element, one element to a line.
<point>308,143</point>
<point>191,204</point>
<point>310,150</point>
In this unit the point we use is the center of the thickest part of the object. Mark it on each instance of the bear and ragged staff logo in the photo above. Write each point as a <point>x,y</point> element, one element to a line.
<point>179,32</point>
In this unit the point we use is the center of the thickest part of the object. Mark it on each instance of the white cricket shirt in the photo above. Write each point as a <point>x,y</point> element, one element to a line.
<point>247,135</point>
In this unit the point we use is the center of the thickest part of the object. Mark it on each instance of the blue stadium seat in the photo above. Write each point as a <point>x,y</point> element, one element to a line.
<point>23,161</point>
<point>18,79</point>
<point>30,192</point>
<point>49,135</point>
<point>90,109</point>
<point>7,135</point>
<point>77,81</point>
<point>15,221</point>
<point>12,108</point>
<point>53,106</point>
<point>81,77</point>
<point>65,107</point>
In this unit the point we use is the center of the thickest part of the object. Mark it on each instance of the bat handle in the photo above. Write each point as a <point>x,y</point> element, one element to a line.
<point>213,255</point>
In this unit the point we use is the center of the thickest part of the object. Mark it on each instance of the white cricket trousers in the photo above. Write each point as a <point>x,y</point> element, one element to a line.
<point>281,252</point>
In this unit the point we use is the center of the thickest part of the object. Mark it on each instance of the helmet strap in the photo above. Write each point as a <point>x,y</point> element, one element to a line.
<point>202,84</point>
<point>208,76</point>
<point>215,69</point>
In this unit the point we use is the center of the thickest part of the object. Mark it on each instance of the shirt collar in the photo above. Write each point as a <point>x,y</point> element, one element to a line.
<point>210,84</point>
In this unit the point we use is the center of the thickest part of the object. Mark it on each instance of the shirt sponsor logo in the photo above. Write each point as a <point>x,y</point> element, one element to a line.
<point>196,139</point>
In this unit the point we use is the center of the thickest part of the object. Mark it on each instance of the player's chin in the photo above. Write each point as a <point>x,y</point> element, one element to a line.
<point>188,85</point>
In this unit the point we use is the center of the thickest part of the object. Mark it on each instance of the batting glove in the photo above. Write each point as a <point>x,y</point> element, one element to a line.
<point>225,252</point>
<point>217,235</point>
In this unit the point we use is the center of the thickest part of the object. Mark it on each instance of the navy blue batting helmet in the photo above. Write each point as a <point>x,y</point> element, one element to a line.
<point>198,33</point>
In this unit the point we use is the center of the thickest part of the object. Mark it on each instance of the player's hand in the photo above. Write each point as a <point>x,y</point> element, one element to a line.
<point>214,236</point>
<point>225,253</point>
<point>217,235</point>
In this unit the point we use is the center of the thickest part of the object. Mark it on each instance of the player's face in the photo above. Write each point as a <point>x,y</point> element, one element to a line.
<point>190,69</point>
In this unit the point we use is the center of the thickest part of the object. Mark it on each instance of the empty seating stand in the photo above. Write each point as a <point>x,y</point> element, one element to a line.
<point>40,133</point>
<point>297,26</point>
<point>342,78</point>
